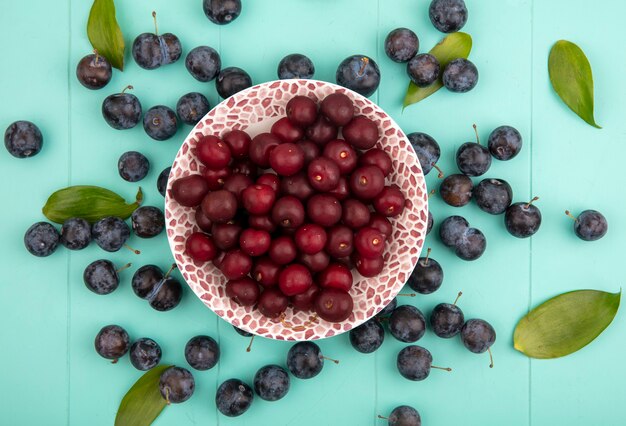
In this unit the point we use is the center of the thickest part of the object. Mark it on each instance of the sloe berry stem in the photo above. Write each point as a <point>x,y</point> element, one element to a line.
<point>383,417</point>
<point>330,359</point>
<point>490,358</point>
<point>436,167</point>
<point>128,265</point>
<point>249,348</point>
<point>407,294</point>
<point>441,368</point>
<point>129,87</point>
<point>567,212</point>
<point>476,131</point>
<point>132,249</point>
<point>156,27</point>
<point>427,256</point>
<point>364,61</point>
<point>530,203</point>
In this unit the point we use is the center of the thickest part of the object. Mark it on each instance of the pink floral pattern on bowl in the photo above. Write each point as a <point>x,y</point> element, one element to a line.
<point>254,110</point>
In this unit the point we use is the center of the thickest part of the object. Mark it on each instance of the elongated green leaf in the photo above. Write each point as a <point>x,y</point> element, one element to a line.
<point>565,323</point>
<point>143,403</point>
<point>105,34</point>
<point>91,203</point>
<point>571,78</point>
<point>454,46</point>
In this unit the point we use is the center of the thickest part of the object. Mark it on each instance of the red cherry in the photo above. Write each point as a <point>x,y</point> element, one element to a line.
<point>377,157</point>
<point>323,209</point>
<point>381,224</point>
<point>287,159</point>
<point>390,202</point>
<point>301,111</point>
<point>369,242</point>
<point>220,206</point>
<point>310,149</point>
<point>258,199</point>
<point>226,235</point>
<point>200,247</point>
<point>342,154</point>
<point>202,221</point>
<point>245,167</point>
<point>272,303</point>
<point>355,213</point>
<point>342,191</point>
<point>323,174</point>
<point>237,183</point>
<point>236,265</point>
<point>361,132</point>
<point>368,267</point>
<point>288,212</point>
<point>254,242</point>
<point>367,182</point>
<point>310,238</point>
<point>333,305</point>
<point>216,177</point>
<point>304,301</point>
<point>315,262</point>
<point>266,272</point>
<point>322,131</point>
<point>338,108</point>
<point>269,179</point>
<point>260,149</point>
<point>335,276</point>
<point>189,191</point>
<point>239,143</point>
<point>287,131</point>
<point>297,185</point>
<point>340,242</point>
<point>294,279</point>
<point>244,292</point>
<point>213,152</point>
<point>283,250</point>
<point>263,222</point>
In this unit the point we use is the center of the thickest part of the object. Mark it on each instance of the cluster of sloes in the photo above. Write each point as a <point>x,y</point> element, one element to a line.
<point>402,45</point>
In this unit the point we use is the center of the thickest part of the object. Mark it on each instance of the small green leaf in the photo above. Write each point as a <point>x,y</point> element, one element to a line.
<point>91,203</point>
<point>571,78</point>
<point>565,323</point>
<point>454,46</point>
<point>105,34</point>
<point>143,403</point>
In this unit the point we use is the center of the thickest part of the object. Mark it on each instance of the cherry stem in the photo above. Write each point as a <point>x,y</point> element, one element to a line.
<point>530,203</point>
<point>427,256</point>
<point>436,167</point>
<point>132,249</point>
<point>458,296</point>
<point>167,274</point>
<point>249,348</point>
<point>490,358</point>
<point>383,417</point>
<point>127,88</point>
<point>441,368</point>
<point>407,294</point>
<point>567,212</point>
<point>330,359</point>
<point>128,265</point>
<point>476,131</point>
<point>364,61</point>
<point>156,27</point>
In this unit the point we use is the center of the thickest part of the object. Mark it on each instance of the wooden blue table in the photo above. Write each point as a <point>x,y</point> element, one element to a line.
<point>50,372</point>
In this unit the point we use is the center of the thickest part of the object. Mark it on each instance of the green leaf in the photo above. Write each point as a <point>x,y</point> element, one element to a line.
<point>105,34</point>
<point>456,45</point>
<point>571,78</point>
<point>91,203</point>
<point>143,402</point>
<point>565,323</point>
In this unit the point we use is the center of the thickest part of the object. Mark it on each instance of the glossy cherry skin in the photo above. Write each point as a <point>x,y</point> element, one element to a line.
<point>323,174</point>
<point>269,179</point>
<point>287,131</point>
<point>258,199</point>
<point>297,185</point>
<point>255,242</point>
<point>338,109</point>
<point>381,224</point>
<point>189,191</point>
<point>322,131</point>
<point>272,303</point>
<point>355,214</point>
<point>368,267</point>
<point>266,272</point>
<point>324,210</point>
<point>220,206</point>
<point>379,158</point>
<point>342,154</point>
<point>244,292</point>
<point>260,149</point>
<point>236,265</point>
<point>283,250</point>
<point>200,247</point>
<point>302,111</point>
<point>390,202</point>
<point>310,238</point>
<point>245,167</point>
<point>315,262</point>
<point>216,177</point>
<point>333,305</point>
<point>239,143</point>
<point>367,182</point>
<point>361,132</point>
<point>369,243</point>
<point>226,235</point>
<point>342,191</point>
<point>263,222</point>
<point>310,149</point>
<point>287,159</point>
<point>288,212</point>
<point>202,221</point>
<point>236,183</point>
<point>304,301</point>
<point>340,242</point>
<point>213,152</point>
<point>335,276</point>
<point>294,279</point>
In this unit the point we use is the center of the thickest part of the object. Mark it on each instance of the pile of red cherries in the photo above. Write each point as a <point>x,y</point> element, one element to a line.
<point>287,215</point>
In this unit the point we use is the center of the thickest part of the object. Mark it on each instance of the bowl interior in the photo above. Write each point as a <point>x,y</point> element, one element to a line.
<point>254,110</point>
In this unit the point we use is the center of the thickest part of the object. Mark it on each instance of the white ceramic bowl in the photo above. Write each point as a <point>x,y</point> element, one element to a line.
<point>254,110</point>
